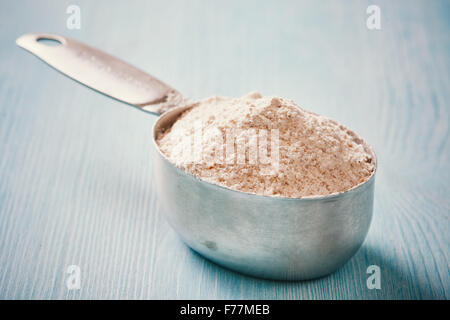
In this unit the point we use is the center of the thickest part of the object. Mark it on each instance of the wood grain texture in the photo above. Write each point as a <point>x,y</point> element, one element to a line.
<point>76,171</point>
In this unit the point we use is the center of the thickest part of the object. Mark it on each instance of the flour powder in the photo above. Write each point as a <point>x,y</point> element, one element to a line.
<point>267,146</point>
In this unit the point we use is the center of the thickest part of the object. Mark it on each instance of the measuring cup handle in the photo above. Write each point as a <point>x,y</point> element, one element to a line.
<point>102,72</point>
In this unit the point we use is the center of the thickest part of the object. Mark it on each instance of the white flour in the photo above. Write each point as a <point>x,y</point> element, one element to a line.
<point>309,155</point>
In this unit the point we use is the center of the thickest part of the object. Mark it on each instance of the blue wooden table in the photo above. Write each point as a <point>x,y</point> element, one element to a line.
<point>76,171</point>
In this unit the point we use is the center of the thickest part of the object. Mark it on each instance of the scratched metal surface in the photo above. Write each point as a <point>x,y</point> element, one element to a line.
<point>76,172</point>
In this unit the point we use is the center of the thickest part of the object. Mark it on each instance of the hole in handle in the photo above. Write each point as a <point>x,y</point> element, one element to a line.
<point>49,42</point>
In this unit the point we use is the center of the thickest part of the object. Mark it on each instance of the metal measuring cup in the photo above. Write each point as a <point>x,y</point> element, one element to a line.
<point>269,237</point>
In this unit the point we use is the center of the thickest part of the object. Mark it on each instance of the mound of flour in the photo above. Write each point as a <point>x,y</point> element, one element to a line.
<point>309,155</point>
